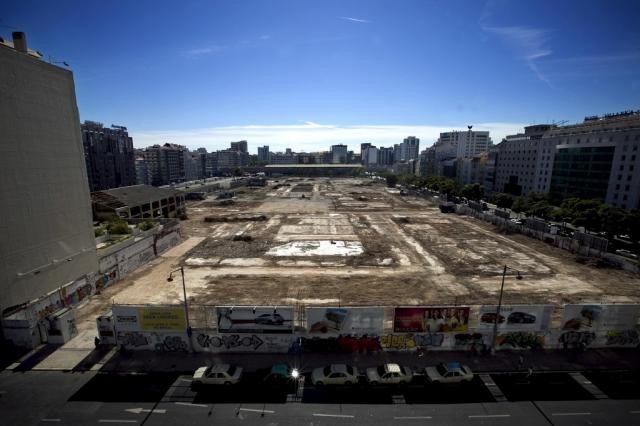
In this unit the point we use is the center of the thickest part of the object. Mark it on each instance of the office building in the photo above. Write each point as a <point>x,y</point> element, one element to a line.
<point>109,156</point>
<point>263,154</point>
<point>409,149</point>
<point>240,146</point>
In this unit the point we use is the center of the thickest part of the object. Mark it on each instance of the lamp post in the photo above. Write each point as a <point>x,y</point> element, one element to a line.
<point>186,309</point>
<point>497,318</point>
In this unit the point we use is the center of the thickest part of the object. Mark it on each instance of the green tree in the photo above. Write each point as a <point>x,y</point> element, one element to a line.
<point>503,200</point>
<point>472,191</point>
<point>519,205</point>
<point>392,180</point>
<point>118,226</point>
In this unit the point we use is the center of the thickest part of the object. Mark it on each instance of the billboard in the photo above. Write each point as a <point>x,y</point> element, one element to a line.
<point>245,319</point>
<point>337,321</point>
<point>515,317</point>
<point>149,318</point>
<point>600,317</point>
<point>431,319</point>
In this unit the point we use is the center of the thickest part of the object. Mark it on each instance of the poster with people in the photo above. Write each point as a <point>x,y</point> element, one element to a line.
<point>600,317</point>
<point>431,319</point>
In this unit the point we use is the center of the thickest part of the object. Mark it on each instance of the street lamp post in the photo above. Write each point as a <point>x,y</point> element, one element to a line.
<point>186,309</point>
<point>497,318</point>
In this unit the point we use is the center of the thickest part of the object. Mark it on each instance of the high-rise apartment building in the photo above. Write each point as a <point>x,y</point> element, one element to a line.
<point>109,156</point>
<point>263,154</point>
<point>409,149</point>
<point>47,230</point>
<point>240,146</point>
<point>338,154</point>
<point>165,164</point>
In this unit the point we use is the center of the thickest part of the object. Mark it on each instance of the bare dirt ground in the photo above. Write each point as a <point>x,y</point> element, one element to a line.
<point>412,254</point>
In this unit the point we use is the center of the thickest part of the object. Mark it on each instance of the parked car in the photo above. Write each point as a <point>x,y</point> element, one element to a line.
<point>335,374</point>
<point>389,374</point>
<point>219,374</point>
<point>516,221</point>
<point>521,318</point>
<point>270,319</point>
<point>279,375</point>
<point>626,253</point>
<point>490,317</point>
<point>453,372</point>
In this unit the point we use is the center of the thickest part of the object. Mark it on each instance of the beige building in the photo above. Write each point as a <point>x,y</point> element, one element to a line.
<point>47,235</point>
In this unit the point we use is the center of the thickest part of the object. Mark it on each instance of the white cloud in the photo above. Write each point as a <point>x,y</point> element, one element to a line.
<point>204,50</point>
<point>362,21</point>
<point>310,136</point>
<point>529,43</point>
<point>265,37</point>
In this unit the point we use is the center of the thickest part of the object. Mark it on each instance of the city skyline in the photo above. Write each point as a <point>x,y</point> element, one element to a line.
<point>363,71</point>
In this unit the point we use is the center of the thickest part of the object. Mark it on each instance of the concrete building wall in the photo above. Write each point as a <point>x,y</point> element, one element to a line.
<point>46,227</point>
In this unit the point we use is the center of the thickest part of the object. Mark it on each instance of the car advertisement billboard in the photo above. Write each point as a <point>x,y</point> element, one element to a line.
<point>431,319</point>
<point>515,317</point>
<point>245,319</point>
<point>600,317</point>
<point>337,321</point>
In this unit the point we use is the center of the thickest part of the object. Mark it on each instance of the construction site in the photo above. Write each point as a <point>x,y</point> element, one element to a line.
<point>354,242</point>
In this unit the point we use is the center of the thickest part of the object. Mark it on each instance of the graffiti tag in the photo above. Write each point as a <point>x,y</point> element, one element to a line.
<point>172,344</point>
<point>576,339</point>
<point>520,339</point>
<point>411,341</point>
<point>624,337</point>
<point>229,341</point>
<point>467,339</point>
<point>133,339</point>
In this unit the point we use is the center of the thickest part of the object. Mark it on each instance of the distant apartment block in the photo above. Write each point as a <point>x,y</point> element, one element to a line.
<point>240,146</point>
<point>165,164</point>
<point>409,149</point>
<point>109,156</point>
<point>46,226</point>
<point>264,154</point>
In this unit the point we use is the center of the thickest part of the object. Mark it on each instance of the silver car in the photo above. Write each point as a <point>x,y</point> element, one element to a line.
<point>335,374</point>
<point>219,374</point>
<point>453,372</point>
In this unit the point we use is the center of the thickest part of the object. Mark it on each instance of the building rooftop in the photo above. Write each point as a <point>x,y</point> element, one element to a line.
<point>131,195</point>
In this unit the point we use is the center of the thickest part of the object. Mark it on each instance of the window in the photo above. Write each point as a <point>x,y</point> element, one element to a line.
<point>618,186</point>
<point>626,187</point>
<point>615,196</point>
<point>622,168</point>
<point>624,157</point>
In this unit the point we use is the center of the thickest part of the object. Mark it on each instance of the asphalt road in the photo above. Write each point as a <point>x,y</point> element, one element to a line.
<point>39,397</point>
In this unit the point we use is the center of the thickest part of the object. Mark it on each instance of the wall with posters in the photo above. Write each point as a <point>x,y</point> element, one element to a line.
<point>533,318</point>
<point>333,321</point>
<point>431,319</point>
<point>149,318</point>
<point>245,319</point>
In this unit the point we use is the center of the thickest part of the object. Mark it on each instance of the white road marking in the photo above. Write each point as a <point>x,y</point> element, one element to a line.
<point>116,421</point>
<point>412,418</point>
<point>50,420</point>
<point>484,416</point>
<point>186,380</point>
<point>634,412</point>
<point>145,410</point>
<point>344,416</point>
<point>255,410</point>
<point>571,414</point>
<point>194,405</point>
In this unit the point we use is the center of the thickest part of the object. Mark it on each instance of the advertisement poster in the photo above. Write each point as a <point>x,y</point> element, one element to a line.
<point>337,321</point>
<point>516,317</point>
<point>600,317</point>
<point>125,318</point>
<point>431,320</point>
<point>162,319</point>
<point>246,319</point>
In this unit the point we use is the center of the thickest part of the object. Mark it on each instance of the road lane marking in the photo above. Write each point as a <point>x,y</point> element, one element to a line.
<point>116,421</point>
<point>146,410</point>
<point>343,416</point>
<point>484,416</point>
<point>50,420</point>
<point>412,418</point>
<point>571,414</point>
<point>255,410</point>
<point>634,412</point>
<point>191,404</point>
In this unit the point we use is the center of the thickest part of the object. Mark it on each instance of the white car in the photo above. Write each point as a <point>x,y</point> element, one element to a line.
<point>220,374</point>
<point>389,374</point>
<point>453,372</point>
<point>335,374</point>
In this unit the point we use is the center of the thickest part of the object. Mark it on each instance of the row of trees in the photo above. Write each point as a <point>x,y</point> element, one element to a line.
<point>591,214</point>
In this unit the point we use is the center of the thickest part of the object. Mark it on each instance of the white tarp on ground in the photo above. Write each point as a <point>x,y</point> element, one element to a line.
<point>317,248</point>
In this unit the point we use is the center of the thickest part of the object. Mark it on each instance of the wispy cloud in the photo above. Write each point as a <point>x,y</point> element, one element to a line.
<point>312,136</point>
<point>530,44</point>
<point>204,50</point>
<point>362,21</point>
<point>265,37</point>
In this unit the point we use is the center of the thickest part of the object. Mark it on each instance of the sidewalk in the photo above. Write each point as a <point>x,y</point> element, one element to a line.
<point>503,361</point>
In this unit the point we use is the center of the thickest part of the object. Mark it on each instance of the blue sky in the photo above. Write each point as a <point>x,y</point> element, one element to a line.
<point>307,74</point>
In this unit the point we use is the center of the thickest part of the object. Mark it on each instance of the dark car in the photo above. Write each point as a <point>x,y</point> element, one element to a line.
<point>491,318</point>
<point>521,318</point>
<point>270,319</point>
